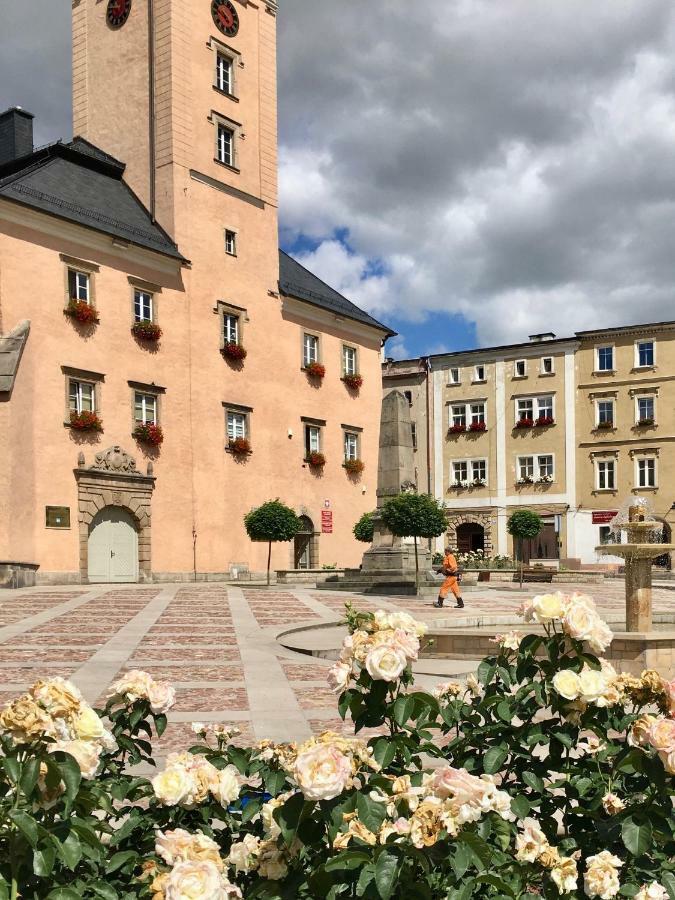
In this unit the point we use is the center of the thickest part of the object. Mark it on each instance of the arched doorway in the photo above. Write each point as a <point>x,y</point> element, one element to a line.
<point>304,550</point>
<point>470,537</point>
<point>113,547</point>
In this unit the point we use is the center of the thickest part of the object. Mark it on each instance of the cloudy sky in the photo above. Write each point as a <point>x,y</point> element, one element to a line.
<point>470,171</point>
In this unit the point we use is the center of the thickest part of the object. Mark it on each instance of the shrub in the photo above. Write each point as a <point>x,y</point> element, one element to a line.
<point>272,522</point>
<point>146,331</point>
<point>235,351</point>
<point>85,421</point>
<point>546,774</point>
<point>354,382</point>
<point>524,525</point>
<point>149,434</point>
<point>315,370</point>
<point>364,529</point>
<point>415,516</point>
<point>354,466</point>
<point>81,312</point>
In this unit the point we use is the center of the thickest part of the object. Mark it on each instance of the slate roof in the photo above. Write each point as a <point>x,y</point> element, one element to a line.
<point>297,281</point>
<point>82,184</point>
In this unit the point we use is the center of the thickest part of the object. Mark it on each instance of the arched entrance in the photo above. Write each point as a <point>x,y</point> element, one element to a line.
<point>470,537</point>
<point>305,549</point>
<point>113,547</point>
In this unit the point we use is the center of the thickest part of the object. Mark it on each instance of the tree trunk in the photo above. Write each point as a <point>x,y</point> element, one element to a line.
<point>520,553</point>
<point>269,559</point>
<point>417,567</point>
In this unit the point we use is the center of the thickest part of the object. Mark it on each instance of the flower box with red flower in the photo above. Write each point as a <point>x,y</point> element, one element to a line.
<point>233,350</point>
<point>354,466</point>
<point>82,312</point>
<point>645,423</point>
<point>85,421</point>
<point>240,446</point>
<point>477,426</point>
<point>146,330</point>
<point>353,382</point>
<point>544,422</point>
<point>457,429</point>
<point>316,460</point>
<point>149,434</point>
<point>315,370</point>
<point>605,426</point>
<point>525,423</point>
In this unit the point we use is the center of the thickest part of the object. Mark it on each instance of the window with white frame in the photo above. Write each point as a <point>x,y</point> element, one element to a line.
<point>145,408</point>
<point>545,466</point>
<point>225,145</point>
<point>224,73</point>
<point>605,474</point>
<point>454,375</point>
<point>545,407</point>
<point>230,242</point>
<point>646,472</point>
<point>526,468</point>
<point>237,425</point>
<point>460,471</point>
<point>604,359</point>
<point>479,373</point>
<point>310,351</point>
<point>458,415</point>
<point>547,365</point>
<point>644,354</point>
<point>349,360</point>
<point>525,408</point>
<point>79,286</point>
<point>351,445</point>
<point>605,413</point>
<point>230,328</point>
<point>477,413</point>
<point>645,412</point>
<point>479,470</point>
<point>312,439</point>
<point>81,396</point>
<point>143,306</point>
<point>520,368</point>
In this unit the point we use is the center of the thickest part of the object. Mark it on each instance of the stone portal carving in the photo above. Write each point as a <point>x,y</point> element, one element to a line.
<point>114,480</point>
<point>484,519</point>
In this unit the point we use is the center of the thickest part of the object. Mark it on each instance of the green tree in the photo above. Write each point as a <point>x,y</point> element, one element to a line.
<point>416,516</point>
<point>272,522</point>
<point>524,525</point>
<point>365,528</point>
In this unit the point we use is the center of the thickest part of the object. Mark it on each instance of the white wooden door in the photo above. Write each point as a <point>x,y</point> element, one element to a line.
<point>113,547</point>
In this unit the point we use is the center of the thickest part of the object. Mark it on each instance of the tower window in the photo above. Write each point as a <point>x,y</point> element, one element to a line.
<point>310,353</point>
<point>78,286</point>
<point>231,328</point>
<point>224,73</point>
<point>230,242</point>
<point>142,306</point>
<point>225,148</point>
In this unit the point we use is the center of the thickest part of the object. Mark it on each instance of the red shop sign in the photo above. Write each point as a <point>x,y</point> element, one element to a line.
<point>326,521</point>
<point>604,517</point>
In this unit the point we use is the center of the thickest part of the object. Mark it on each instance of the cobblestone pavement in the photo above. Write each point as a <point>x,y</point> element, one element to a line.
<point>216,644</point>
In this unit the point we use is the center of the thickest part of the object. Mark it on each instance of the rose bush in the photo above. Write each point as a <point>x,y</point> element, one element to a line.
<point>546,773</point>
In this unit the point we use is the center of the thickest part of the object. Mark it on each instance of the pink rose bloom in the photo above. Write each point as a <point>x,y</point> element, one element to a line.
<point>670,692</point>
<point>161,696</point>
<point>662,735</point>
<point>458,784</point>
<point>322,772</point>
<point>408,643</point>
<point>338,677</point>
<point>387,662</point>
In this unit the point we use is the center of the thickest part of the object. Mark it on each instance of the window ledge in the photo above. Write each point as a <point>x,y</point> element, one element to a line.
<point>479,381</point>
<point>605,491</point>
<point>227,94</point>
<point>604,372</point>
<point>613,430</point>
<point>518,377</point>
<point>644,368</point>
<point>547,374</point>
<point>639,490</point>
<point>227,166</point>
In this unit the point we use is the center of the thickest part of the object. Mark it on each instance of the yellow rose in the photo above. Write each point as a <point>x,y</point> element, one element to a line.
<point>602,875</point>
<point>531,843</point>
<point>57,696</point>
<point>662,735</point>
<point>224,785</point>
<point>87,725</point>
<point>173,786</point>
<point>548,607</point>
<point>25,720</point>
<point>653,891</point>
<point>87,754</point>
<point>244,854</point>
<point>197,881</point>
<point>593,685</point>
<point>564,875</point>
<point>639,733</point>
<point>568,684</point>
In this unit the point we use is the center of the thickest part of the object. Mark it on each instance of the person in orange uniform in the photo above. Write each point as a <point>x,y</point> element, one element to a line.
<point>451,570</point>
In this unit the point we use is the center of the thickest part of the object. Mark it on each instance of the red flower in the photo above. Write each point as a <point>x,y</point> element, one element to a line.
<point>81,312</point>
<point>85,421</point>
<point>477,426</point>
<point>240,446</point>
<point>353,381</point>
<point>316,460</point>
<point>146,330</point>
<point>315,370</point>
<point>234,351</point>
<point>354,466</point>
<point>149,434</point>
<point>457,429</point>
<point>525,423</point>
<point>544,421</point>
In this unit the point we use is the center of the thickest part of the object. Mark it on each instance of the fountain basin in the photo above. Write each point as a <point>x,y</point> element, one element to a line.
<point>635,551</point>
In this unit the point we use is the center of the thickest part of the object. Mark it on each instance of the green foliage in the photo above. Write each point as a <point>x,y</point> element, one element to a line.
<point>365,528</point>
<point>273,521</point>
<point>524,524</point>
<point>414,515</point>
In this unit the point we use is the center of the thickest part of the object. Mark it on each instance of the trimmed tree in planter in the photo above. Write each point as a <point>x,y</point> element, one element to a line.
<point>415,516</point>
<point>272,522</point>
<point>524,525</point>
<point>365,528</point>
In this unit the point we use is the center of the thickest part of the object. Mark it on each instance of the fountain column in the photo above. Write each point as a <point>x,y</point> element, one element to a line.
<point>639,593</point>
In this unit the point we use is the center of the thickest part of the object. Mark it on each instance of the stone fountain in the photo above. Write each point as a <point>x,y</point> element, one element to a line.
<point>641,547</point>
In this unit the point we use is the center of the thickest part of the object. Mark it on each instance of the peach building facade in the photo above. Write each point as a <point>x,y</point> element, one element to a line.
<point>180,238</point>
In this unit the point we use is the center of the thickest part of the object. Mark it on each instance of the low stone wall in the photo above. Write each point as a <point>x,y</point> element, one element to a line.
<point>501,576</point>
<point>305,576</point>
<point>15,575</point>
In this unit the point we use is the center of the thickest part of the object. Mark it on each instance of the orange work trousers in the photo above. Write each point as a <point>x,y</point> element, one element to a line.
<point>450,584</point>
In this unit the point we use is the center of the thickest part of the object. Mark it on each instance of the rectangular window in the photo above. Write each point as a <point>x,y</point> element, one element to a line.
<point>236,426</point>
<point>349,366</point>
<point>605,359</point>
<point>644,353</point>
<point>57,516</point>
<point>525,409</point>
<point>526,468</point>
<point>81,396</point>
<point>142,306</point>
<point>224,73</point>
<point>520,368</point>
<point>230,242</point>
<point>478,414</point>
<point>460,472</point>
<point>145,409</point>
<point>312,439</point>
<point>225,149</point>
<point>479,373</point>
<point>351,445</point>
<point>310,349</point>
<point>453,376</point>
<point>605,535</point>
<point>606,413</point>
<point>547,365</point>
<point>458,415</point>
<point>479,470</point>
<point>545,466</point>
<point>646,472</point>
<point>645,409</point>
<point>545,407</point>
<point>78,286</point>
<point>231,328</point>
<point>606,474</point>
<point>413,425</point>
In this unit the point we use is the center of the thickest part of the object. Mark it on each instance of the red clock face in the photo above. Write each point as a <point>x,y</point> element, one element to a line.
<point>225,16</point>
<point>118,12</point>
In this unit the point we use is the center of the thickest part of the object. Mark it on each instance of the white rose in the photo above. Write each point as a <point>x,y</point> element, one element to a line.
<point>593,685</point>
<point>579,621</point>
<point>408,643</point>
<point>322,772</point>
<point>600,637</point>
<point>568,684</point>
<point>653,891</point>
<point>87,754</point>
<point>564,875</point>
<point>338,677</point>
<point>195,881</point>
<point>244,854</point>
<point>225,785</point>
<point>531,843</point>
<point>548,607</point>
<point>198,728</point>
<point>386,663</point>
<point>612,804</point>
<point>173,786</point>
<point>602,875</point>
<point>161,697</point>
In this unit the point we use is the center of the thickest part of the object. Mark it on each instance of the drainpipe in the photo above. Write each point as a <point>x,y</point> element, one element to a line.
<point>151,104</point>
<point>426,362</point>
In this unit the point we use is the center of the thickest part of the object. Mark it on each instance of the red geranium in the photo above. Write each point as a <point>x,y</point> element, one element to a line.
<point>525,423</point>
<point>477,426</point>
<point>354,466</point>
<point>240,446</point>
<point>353,381</point>
<point>146,330</point>
<point>315,370</point>
<point>81,312</point>
<point>149,434</point>
<point>544,421</point>
<point>85,421</point>
<point>234,351</point>
<point>316,460</point>
<point>457,429</point>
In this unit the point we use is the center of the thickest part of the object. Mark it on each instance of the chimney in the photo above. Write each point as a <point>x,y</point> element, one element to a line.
<point>16,134</point>
<point>545,336</point>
